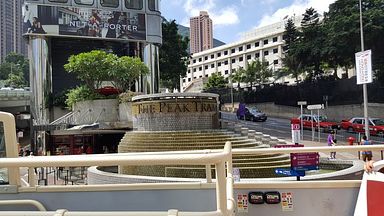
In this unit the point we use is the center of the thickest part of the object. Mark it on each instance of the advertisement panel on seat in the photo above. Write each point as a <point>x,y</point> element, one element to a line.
<point>83,22</point>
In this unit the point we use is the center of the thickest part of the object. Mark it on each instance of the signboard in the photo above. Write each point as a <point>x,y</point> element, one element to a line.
<point>305,161</point>
<point>287,201</point>
<point>242,203</point>
<point>315,107</point>
<point>83,22</point>
<point>289,172</point>
<point>363,67</point>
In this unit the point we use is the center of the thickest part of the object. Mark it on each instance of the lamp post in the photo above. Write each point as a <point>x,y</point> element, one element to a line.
<point>365,92</point>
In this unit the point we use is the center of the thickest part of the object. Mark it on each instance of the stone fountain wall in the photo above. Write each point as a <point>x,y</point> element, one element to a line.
<point>175,112</point>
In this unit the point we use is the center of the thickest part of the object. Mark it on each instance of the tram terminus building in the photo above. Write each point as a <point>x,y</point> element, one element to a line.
<point>57,29</point>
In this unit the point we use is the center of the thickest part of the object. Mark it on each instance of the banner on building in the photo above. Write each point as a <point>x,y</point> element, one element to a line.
<point>83,22</point>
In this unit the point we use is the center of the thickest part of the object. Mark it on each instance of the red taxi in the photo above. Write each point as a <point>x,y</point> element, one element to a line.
<point>325,125</point>
<point>357,124</point>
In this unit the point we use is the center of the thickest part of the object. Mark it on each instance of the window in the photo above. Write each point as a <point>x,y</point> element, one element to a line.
<point>219,54</point>
<point>189,79</point>
<point>248,46</point>
<point>134,4</point>
<point>152,5</point>
<point>257,44</point>
<point>59,1</point>
<point>109,3</point>
<point>194,77</point>
<point>240,49</point>
<point>249,57</point>
<point>200,68</point>
<point>206,67</point>
<point>84,2</point>
<point>183,80</point>
<point>233,50</point>
<point>274,39</point>
<point>257,55</point>
<point>226,71</point>
<point>226,52</point>
<point>189,71</point>
<point>226,63</point>
<point>265,41</point>
<point>212,65</point>
<point>206,75</point>
<point>194,60</point>
<point>275,50</point>
<point>233,61</point>
<point>200,76</point>
<point>212,56</point>
<point>358,121</point>
<point>276,61</point>
<point>240,59</point>
<point>205,57</point>
<point>266,53</point>
<point>194,69</point>
<point>218,64</point>
<point>199,59</point>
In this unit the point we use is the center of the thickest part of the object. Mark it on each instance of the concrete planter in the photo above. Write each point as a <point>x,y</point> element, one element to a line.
<point>88,112</point>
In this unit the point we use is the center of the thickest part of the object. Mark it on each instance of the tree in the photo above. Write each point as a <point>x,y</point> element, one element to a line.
<point>257,72</point>
<point>125,71</point>
<point>91,67</point>
<point>291,34</point>
<point>343,38</point>
<point>173,56</point>
<point>16,65</point>
<point>97,66</point>
<point>238,76</point>
<point>215,81</point>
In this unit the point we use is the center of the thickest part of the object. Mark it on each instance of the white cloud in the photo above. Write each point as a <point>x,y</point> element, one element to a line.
<point>298,7</point>
<point>222,16</point>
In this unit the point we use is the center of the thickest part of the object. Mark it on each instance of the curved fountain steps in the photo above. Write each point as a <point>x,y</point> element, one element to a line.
<point>250,166</point>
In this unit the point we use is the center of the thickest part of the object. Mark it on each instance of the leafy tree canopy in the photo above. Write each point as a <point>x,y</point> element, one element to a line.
<point>173,56</point>
<point>215,81</point>
<point>15,70</point>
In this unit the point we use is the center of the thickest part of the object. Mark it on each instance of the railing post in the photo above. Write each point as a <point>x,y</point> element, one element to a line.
<point>221,191</point>
<point>208,173</point>
<point>31,177</point>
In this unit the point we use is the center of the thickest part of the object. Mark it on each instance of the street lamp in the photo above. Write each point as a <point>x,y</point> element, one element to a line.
<point>365,92</point>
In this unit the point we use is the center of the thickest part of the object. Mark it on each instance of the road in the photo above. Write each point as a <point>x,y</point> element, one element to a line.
<point>281,128</point>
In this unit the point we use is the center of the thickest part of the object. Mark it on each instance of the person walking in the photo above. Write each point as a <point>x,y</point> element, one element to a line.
<point>332,142</point>
<point>366,155</point>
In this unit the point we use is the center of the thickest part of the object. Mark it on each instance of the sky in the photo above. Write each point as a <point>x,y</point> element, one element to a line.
<point>231,18</point>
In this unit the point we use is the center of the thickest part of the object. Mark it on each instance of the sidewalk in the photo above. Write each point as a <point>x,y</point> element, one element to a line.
<point>340,155</point>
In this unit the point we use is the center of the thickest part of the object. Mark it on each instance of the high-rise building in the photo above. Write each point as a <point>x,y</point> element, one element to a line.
<point>11,25</point>
<point>201,34</point>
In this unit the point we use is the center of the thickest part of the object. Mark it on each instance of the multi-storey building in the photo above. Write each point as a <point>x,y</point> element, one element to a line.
<point>201,35</point>
<point>11,26</point>
<point>262,43</point>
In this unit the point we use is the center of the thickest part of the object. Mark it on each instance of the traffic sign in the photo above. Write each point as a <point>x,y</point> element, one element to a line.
<point>315,107</point>
<point>301,103</point>
<point>289,172</point>
<point>363,67</point>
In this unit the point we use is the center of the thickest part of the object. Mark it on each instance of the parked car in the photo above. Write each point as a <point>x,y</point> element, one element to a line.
<point>321,120</point>
<point>357,124</point>
<point>252,114</point>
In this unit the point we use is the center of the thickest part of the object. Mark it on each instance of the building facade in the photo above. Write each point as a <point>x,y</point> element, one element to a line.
<point>201,34</point>
<point>262,43</point>
<point>11,25</point>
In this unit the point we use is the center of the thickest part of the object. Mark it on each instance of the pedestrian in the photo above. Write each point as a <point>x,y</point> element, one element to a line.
<point>366,155</point>
<point>332,142</point>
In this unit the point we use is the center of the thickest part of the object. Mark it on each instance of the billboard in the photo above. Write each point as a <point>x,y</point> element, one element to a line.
<point>83,22</point>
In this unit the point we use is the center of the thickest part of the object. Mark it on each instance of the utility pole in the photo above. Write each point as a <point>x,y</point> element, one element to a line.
<point>365,91</point>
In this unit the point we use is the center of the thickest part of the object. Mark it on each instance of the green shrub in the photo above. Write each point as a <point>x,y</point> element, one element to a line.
<point>127,96</point>
<point>82,93</point>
